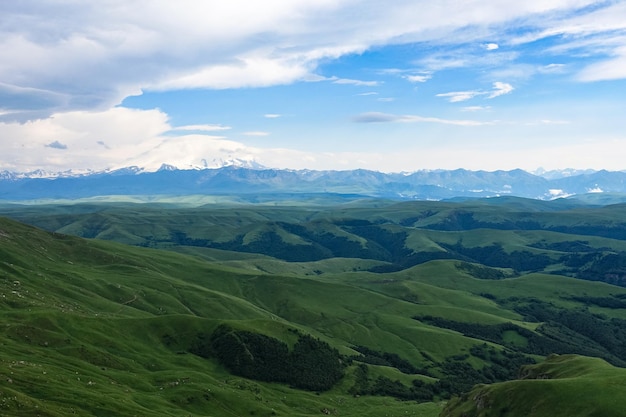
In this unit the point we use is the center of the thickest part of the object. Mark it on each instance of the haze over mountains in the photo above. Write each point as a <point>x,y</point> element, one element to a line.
<point>245,177</point>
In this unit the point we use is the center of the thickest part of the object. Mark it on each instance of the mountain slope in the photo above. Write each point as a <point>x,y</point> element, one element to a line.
<point>95,328</point>
<point>99,328</point>
<point>562,386</point>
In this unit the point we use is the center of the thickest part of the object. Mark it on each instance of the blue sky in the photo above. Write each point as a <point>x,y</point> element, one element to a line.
<point>301,84</point>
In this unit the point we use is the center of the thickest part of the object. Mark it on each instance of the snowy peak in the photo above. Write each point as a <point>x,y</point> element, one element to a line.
<point>133,169</point>
<point>199,164</point>
<point>40,173</point>
<point>230,162</point>
<point>166,167</point>
<point>241,176</point>
<point>562,173</point>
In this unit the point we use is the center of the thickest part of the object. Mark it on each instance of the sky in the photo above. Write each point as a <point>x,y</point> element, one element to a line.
<point>393,86</point>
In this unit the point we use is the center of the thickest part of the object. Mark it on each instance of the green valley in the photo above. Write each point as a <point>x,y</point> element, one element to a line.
<point>336,307</point>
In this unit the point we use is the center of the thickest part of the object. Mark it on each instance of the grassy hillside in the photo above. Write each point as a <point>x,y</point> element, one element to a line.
<point>97,328</point>
<point>563,237</point>
<point>416,314</point>
<point>562,386</point>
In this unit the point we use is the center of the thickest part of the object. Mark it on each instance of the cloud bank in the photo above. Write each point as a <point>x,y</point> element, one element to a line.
<point>68,65</point>
<point>63,56</point>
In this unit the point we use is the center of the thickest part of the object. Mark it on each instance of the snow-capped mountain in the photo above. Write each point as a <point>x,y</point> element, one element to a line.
<point>562,173</point>
<point>200,164</point>
<point>40,173</point>
<point>214,163</point>
<point>246,177</point>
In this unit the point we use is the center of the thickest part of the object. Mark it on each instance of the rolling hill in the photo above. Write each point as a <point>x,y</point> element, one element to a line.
<point>567,386</point>
<point>186,321</point>
<point>521,235</point>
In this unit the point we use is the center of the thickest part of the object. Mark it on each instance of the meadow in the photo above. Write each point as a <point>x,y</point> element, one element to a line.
<point>115,308</point>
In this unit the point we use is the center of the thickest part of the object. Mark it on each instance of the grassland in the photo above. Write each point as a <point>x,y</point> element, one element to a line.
<point>98,327</point>
<point>562,386</point>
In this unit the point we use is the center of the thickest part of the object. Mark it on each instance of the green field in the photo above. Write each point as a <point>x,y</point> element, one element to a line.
<point>420,301</point>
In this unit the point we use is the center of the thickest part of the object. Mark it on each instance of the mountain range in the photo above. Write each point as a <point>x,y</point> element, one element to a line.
<point>255,180</point>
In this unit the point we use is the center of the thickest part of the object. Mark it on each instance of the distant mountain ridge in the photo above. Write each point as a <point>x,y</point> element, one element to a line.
<point>237,179</point>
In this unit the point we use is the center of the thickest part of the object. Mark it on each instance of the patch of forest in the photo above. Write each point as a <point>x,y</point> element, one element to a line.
<point>561,330</point>
<point>454,377</point>
<point>464,219</point>
<point>311,365</point>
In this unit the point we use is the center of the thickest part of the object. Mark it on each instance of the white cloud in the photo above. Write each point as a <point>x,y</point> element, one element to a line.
<point>457,96</point>
<point>500,89</point>
<point>613,68</point>
<point>61,55</point>
<point>243,72</point>
<point>356,82</point>
<point>121,137</point>
<point>392,71</point>
<point>75,60</point>
<point>203,128</point>
<point>412,119</point>
<point>558,193</point>
<point>455,56</point>
<point>555,122</point>
<point>601,21</point>
<point>525,71</point>
<point>256,133</point>
<point>517,71</point>
<point>113,139</point>
<point>418,78</point>
<point>377,117</point>
<point>475,108</point>
<point>594,35</point>
<point>84,139</point>
<point>272,115</point>
<point>552,69</point>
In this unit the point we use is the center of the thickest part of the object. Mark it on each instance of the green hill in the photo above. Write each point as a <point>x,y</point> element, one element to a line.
<point>95,327</point>
<point>562,386</point>
<point>562,237</point>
